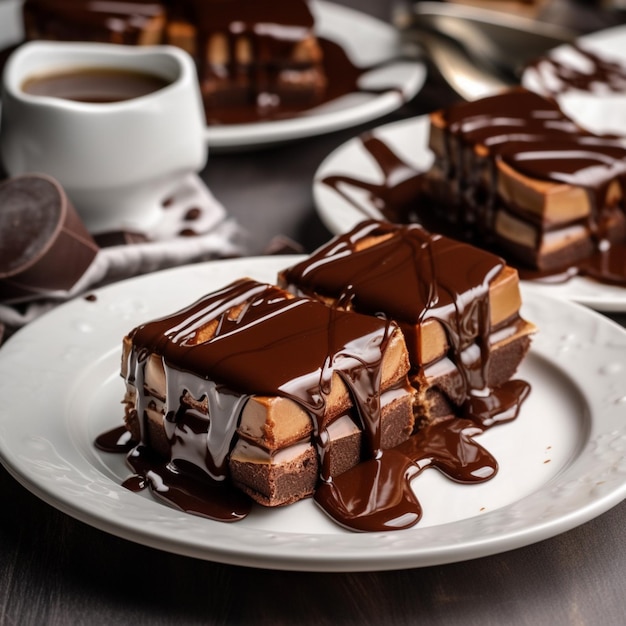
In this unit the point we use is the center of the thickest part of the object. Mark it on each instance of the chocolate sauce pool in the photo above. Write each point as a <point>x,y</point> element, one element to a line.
<point>342,76</point>
<point>545,146</point>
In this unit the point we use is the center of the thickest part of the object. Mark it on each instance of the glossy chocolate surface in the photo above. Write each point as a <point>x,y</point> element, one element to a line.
<point>594,70</point>
<point>411,276</point>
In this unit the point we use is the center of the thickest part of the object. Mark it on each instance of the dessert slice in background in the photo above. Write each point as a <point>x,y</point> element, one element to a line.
<point>517,173</point>
<point>253,387</point>
<point>248,52</point>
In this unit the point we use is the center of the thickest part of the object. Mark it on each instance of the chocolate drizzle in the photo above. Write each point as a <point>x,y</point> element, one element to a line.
<point>411,276</point>
<point>557,77</point>
<point>530,135</point>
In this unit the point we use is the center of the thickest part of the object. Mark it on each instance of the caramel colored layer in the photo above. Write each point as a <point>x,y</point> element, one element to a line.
<point>504,303</point>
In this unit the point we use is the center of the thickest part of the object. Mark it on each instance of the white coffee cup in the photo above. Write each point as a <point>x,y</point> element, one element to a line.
<point>117,161</point>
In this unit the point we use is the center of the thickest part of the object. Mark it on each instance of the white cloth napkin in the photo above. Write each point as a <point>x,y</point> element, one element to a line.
<point>195,227</point>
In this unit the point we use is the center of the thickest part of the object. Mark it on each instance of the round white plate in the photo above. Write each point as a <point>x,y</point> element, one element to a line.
<point>366,40</point>
<point>562,462</point>
<point>409,140</point>
<point>600,111</point>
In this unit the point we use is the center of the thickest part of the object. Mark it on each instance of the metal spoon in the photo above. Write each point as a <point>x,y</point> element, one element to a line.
<point>478,51</point>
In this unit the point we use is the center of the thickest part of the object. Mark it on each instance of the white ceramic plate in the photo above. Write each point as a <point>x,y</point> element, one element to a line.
<point>562,462</point>
<point>408,139</point>
<point>602,111</point>
<point>367,41</point>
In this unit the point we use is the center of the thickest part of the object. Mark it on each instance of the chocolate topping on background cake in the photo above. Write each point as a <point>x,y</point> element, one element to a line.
<point>595,73</point>
<point>519,145</point>
<point>251,342</point>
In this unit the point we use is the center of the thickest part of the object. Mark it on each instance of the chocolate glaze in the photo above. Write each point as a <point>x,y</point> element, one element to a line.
<point>342,78</point>
<point>535,138</point>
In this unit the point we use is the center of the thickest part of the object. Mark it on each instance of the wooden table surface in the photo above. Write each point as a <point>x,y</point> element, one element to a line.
<point>56,570</point>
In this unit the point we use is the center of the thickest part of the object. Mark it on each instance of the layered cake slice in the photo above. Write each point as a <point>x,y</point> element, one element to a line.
<point>256,388</point>
<point>389,351</point>
<point>458,307</point>
<point>516,172</point>
<point>131,23</point>
<point>248,51</point>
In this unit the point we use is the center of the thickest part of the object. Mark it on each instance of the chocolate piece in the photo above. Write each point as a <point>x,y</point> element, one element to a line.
<point>457,306</point>
<point>45,247</point>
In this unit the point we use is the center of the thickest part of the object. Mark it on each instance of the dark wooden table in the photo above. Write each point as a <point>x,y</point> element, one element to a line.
<point>55,570</point>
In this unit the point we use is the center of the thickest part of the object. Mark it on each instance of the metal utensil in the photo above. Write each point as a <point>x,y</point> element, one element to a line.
<point>478,51</point>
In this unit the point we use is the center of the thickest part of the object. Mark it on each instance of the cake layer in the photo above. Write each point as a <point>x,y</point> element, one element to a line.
<point>278,477</point>
<point>522,175</point>
<point>247,51</point>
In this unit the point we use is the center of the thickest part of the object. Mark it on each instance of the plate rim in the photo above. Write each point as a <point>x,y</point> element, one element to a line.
<point>353,552</point>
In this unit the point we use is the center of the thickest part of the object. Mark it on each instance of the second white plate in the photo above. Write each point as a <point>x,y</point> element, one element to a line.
<point>408,139</point>
<point>600,110</point>
<point>561,463</point>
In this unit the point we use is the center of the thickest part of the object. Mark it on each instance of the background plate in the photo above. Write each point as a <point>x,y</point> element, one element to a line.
<point>562,462</point>
<point>408,139</point>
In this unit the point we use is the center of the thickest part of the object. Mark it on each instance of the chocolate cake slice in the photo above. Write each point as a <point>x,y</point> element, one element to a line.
<point>138,22</point>
<point>254,387</point>
<point>515,172</point>
<point>458,307</point>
